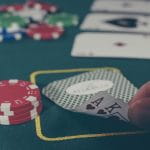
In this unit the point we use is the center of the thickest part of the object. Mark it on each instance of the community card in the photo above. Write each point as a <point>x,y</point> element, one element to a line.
<point>121,6</point>
<point>116,22</point>
<point>72,92</point>
<point>104,105</point>
<point>90,44</point>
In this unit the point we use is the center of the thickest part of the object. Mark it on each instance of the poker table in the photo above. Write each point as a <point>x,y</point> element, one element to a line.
<point>56,128</point>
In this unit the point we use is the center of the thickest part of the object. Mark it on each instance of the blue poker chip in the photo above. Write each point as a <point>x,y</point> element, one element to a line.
<point>7,36</point>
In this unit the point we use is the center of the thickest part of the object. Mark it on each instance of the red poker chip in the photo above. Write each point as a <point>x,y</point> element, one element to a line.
<point>10,120</point>
<point>21,121</point>
<point>26,114</point>
<point>44,31</point>
<point>43,6</point>
<point>17,94</point>
<point>3,8</point>
<point>14,7</point>
<point>21,110</point>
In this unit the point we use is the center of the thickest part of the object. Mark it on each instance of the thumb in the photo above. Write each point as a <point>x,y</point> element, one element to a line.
<point>139,107</point>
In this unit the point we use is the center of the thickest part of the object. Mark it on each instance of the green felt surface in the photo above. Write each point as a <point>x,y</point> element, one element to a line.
<point>20,59</point>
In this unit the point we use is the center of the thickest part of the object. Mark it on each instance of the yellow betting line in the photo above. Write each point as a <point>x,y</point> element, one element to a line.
<point>39,133</point>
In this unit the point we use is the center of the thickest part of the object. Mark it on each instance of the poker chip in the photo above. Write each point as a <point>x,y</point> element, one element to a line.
<point>16,94</point>
<point>13,28</point>
<point>44,31</point>
<point>11,120</point>
<point>3,8</point>
<point>20,101</point>
<point>29,113</point>
<point>16,19</point>
<point>7,36</point>
<point>62,19</point>
<point>21,110</point>
<point>7,20</point>
<point>31,13</point>
<point>43,6</point>
<point>13,7</point>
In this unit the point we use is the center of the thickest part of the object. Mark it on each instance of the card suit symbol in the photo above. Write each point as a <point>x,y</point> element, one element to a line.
<point>120,44</point>
<point>101,111</point>
<point>124,22</point>
<point>89,106</point>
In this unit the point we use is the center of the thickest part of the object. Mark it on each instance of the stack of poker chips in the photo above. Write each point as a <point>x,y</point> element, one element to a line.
<point>20,101</point>
<point>17,21</point>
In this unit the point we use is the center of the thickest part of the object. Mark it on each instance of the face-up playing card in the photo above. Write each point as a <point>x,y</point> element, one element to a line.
<point>121,6</point>
<point>72,92</point>
<point>117,22</point>
<point>104,105</point>
<point>111,45</point>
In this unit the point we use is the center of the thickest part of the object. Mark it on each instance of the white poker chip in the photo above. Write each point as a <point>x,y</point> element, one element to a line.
<point>34,14</point>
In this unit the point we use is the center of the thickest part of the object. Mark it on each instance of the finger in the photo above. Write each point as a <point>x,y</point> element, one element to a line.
<point>139,113</point>
<point>143,92</point>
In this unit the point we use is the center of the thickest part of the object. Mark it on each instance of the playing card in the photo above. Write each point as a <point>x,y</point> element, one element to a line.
<point>104,105</point>
<point>90,44</point>
<point>71,92</point>
<point>117,22</point>
<point>121,6</point>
